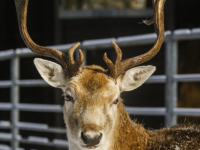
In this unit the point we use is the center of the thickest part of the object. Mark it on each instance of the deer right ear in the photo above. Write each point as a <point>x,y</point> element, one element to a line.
<point>51,72</point>
<point>134,78</point>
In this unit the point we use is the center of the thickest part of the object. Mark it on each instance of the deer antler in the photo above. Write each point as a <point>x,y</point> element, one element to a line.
<point>116,70</point>
<point>67,61</point>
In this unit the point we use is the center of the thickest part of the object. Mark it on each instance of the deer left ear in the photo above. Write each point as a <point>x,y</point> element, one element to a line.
<point>51,72</point>
<point>135,77</point>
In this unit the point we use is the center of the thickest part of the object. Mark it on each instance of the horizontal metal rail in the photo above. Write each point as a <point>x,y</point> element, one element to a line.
<point>161,111</point>
<point>49,144</point>
<point>131,110</point>
<point>97,44</point>
<point>186,34</point>
<point>40,108</point>
<point>187,78</point>
<point>187,111</point>
<point>25,52</point>
<point>146,111</point>
<point>183,34</point>
<point>36,141</point>
<point>49,130</point>
<point>156,79</point>
<point>5,106</point>
<point>5,147</point>
<point>32,83</point>
<point>5,55</point>
<point>33,107</point>
<point>5,84</point>
<point>152,79</point>
<point>33,127</point>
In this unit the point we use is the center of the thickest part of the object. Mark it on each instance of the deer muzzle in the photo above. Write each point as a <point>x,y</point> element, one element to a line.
<point>91,136</point>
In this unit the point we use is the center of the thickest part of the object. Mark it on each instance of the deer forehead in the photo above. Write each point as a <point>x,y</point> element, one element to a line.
<point>94,86</point>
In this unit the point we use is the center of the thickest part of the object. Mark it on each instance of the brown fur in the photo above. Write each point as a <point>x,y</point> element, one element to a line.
<point>89,86</point>
<point>132,136</point>
<point>126,134</point>
<point>93,80</point>
<point>91,128</point>
<point>184,137</point>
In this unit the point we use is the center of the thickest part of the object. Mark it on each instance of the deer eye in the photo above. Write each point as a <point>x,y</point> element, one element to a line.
<point>68,97</point>
<point>116,101</point>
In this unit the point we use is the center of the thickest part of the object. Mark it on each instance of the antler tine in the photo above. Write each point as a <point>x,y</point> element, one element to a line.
<point>71,52</point>
<point>81,59</point>
<point>119,68</point>
<point>66,61</point>
<point>110,65</point>
<point>73,69</point>
<point>118,52</point>
<point>113,69</point>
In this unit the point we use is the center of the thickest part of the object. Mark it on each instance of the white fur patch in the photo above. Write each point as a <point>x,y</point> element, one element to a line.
<point>177,148</point>
<point>135,77</point>
<point>51,72</point>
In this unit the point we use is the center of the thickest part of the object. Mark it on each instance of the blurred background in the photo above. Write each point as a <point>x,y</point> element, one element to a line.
<point>56,22</point>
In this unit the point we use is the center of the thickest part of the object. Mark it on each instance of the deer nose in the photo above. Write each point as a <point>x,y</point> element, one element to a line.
<point>91,139</point>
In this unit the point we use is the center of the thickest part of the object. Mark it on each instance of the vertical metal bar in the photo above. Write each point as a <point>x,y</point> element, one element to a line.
<point>14,99</point>
<point>171,61</point>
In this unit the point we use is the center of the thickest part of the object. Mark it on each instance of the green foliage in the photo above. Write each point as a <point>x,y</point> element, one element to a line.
<point>99,4</point>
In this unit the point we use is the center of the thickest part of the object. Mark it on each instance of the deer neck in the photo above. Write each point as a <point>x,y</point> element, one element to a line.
<point>127,135</point>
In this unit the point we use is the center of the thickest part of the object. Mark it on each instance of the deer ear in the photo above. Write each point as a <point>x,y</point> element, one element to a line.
<point>135,77</point>
<point>51,72</point>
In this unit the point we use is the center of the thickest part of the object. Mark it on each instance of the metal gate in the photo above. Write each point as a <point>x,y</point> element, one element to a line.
<point>171,78</point>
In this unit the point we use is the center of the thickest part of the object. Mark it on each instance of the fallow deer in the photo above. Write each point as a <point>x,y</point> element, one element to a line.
<point>93,110</point>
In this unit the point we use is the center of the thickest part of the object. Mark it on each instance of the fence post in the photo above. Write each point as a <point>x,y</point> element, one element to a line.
<point>14,99</point>
<point>171,62</point>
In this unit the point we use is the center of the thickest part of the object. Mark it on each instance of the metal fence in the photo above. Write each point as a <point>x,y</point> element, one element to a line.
<point>170,79</point>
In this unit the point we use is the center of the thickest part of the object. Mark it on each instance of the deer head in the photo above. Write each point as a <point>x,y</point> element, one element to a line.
<point>92,94</point>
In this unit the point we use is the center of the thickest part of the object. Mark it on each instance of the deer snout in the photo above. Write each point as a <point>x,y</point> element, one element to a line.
<point>91,138</point>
